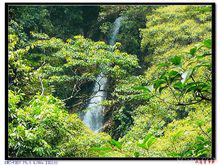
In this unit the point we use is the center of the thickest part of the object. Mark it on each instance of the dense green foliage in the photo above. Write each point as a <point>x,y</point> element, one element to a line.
<point>175,90</point>
<point>159,81</point>
<point>134,18</point>
<point>50,19</point>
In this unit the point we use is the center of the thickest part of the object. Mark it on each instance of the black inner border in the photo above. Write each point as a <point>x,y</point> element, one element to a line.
<point>108,3</point>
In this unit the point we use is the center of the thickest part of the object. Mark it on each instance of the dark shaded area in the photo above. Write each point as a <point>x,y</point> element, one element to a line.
<point>56,21</point>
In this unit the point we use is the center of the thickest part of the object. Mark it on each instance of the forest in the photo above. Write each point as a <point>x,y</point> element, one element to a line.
<point>101,81</point>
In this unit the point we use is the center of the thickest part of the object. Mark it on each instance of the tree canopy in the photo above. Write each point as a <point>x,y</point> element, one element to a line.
<point>159,89</point>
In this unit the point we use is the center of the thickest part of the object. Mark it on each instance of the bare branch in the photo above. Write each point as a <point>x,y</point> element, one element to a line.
<point>42,86</point>
<point>204,132</point>
<point>71,96</point>
<point>190,103</point>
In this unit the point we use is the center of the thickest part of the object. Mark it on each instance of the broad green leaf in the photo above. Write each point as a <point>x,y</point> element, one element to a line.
<point>200,138</point>
<point>136,154</point>
<point>176,60</point>
<point>142,88</point>
<point>116,143</point>
<point>201,86</point>
<point>178,86</point>
<point>187,153</point>
<point>173,73</point>
<point>174,154</point>
<point>208,43</point>
<point>158,83</point>
<point>150,142</point>
<point>177,135</point>
<point>147,138</point>
<point>142,145</point>
<point>200,122</point>
<point>193,51</point>
<point>190,87</point>
<point>162,65</point>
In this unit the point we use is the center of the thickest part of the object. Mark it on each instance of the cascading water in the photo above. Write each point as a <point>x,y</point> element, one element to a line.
<point>115,30</point>
<point>94,115</point>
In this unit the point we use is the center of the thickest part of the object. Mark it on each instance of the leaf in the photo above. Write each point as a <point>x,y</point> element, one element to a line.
<point>200,138</point>
<point>203,87</point>
<point>147,137</point>
<point>193,51</point>
<point>162,65</point>
<point>142,145</point>
<point>178,86</point>
<point>174,154</point>
<point>190,87</point>
<point>200,122</point>
<point>142,88</point>
<point>148,141</point>
<point>200,86</point>
<point>187,153</point>
<point>116,143</point>
<point>136,154</point>
<point>162,88</point>
<point>158,83</point>
<point>186,75</point>
<point>176,60</point>
<point>208,43</point>
<point>173,73</point>
<point>177,135</point>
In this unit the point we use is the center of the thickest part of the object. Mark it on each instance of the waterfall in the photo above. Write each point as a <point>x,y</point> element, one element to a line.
<point>115,30</point>
<point>94,115</point>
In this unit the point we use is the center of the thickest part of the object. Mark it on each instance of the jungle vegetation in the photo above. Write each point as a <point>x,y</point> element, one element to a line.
<point>159,94</point>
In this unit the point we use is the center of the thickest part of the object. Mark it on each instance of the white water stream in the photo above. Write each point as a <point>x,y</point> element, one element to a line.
<point>94,115</point>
